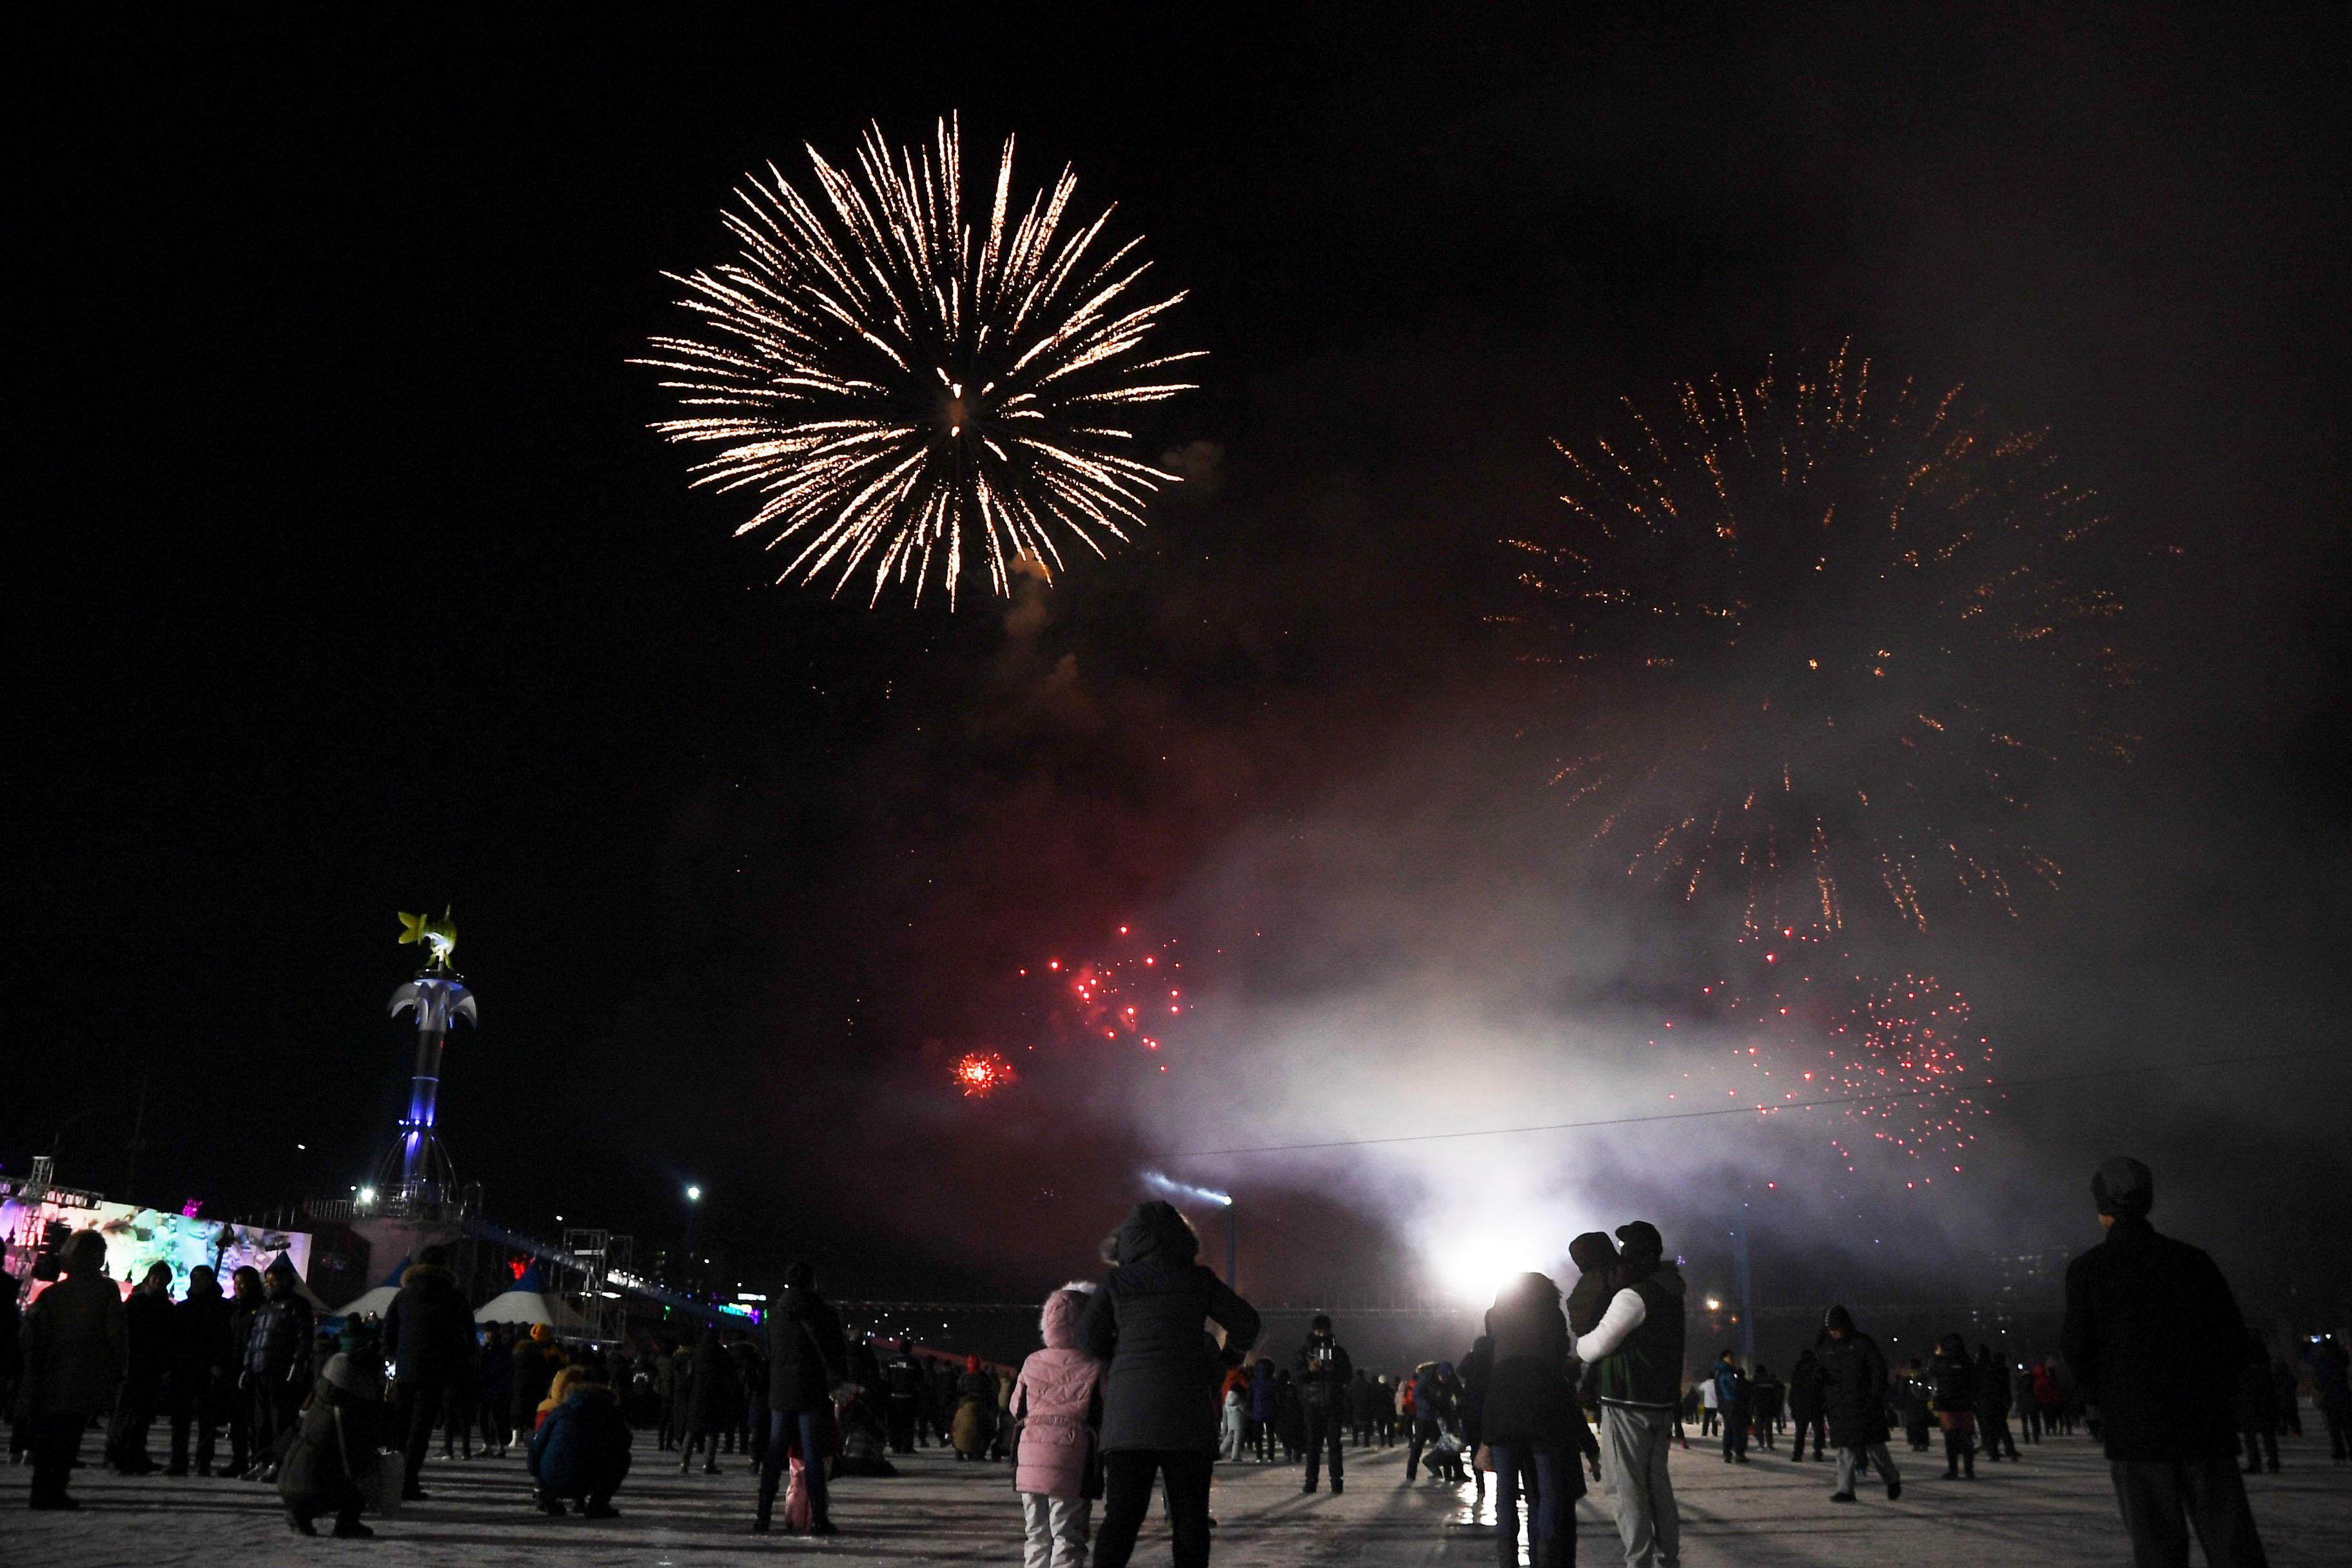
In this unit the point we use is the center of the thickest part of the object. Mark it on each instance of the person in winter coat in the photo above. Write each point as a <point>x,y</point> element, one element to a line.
<point>1057,1404</point>
<point>1595,1257</point>
<point>280,1357</point>
<point>1805,1407</point>
<point>1992,1405</point>
<point>1917,1414</point>
<point>1261,1409</point>
<point>1427,1416</point>
<point>1765,1395</point>
<point>203,1367</point>
<point>2154,1340</point>
<point>496,1397</point>
<point>1952,1392</point>
<point>2285,1397</point>
<point>710,1404</point>
<point>429,1330</point>
<point>581,1452</point>
<point>807,1356</point>
<point>2258,1421</point>
<point>1323,1373</point>
<point>2331,1394</point>
<point>1731,1396</point>
<point>1853,1397</point>
<point>531,1372</point>
<point>337,1437</point>
<point>902,1382</point>
<point>244,1305</point>
<point>1150,1322</point>
<point>1517,1378</point>
<point>75,1349</point>
<point>1233,1403</point>
<point>1636,1351</point>
<point>1363,1408</point>
<point>147,1325</point>
<point>975,1411</point>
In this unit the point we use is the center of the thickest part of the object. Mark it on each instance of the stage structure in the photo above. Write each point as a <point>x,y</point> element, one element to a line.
<point>416,1176</point>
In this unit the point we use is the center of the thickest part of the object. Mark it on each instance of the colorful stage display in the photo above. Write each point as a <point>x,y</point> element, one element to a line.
<point>136,1238</point>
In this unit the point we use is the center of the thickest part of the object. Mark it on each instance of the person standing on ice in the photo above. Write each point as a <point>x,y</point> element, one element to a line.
<point>1854,1395</point>
<point>1636,1350</point>
<point>1324,1373</point>
<point>1150,1322</point>
<point>1057,1403</point>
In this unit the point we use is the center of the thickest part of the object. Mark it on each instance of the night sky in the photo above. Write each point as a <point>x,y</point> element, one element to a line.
<point>348,579</point>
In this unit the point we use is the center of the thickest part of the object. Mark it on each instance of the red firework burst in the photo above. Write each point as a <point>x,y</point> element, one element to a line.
<point>982,1073</point>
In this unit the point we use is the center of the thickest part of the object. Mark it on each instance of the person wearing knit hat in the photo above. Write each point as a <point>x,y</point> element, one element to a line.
<point>2155,1341</point>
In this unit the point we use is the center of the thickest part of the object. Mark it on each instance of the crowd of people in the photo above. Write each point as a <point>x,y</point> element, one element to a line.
<point>1146,1379</point>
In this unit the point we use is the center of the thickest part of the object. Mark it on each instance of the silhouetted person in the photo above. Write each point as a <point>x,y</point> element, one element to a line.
<point>2154,1340</point>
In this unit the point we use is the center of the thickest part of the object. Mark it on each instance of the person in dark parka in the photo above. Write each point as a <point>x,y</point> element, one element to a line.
<point>1324,1372</point>
<point>337,1437</point>
<point>2154,1340</point>
<point>1518,1376</point>
<point>75,1349</point>
<point>1952,1379</point>
<point>1992,1405</point>
<point>1854,1398</point>
<point>204,1367</point>
<point>534,1369</point>
<point>2258,1419</point>
<point>1805,1395</point>
<point>429,1329</point>
<point>147,1324</point>
<point>1150,1322</point>
<point>281,1356</point>
<point>710,1403</point>
<point>496,1394</point>
<point>807,1356</point>
<point>581,1452</point>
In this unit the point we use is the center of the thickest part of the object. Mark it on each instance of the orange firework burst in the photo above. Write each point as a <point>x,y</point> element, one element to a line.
<point>910,391</point>
<point>1825,632</point>
<point>982,1073</point>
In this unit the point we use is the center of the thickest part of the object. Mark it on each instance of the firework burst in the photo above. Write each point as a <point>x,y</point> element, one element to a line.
<point>906,392</point>
<point>1835,618</point>
<point>982,1073</point>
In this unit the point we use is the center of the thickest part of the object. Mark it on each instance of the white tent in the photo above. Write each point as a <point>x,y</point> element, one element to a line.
<point>520,1306</point>
<point>375,1303</point>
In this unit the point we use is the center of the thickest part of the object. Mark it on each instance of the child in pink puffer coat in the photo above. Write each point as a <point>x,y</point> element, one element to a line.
<point>1058,1402</point>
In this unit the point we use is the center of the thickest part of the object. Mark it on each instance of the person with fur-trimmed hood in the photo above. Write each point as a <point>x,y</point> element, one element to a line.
<point>1057,1406</point>
<point>581,1452</point>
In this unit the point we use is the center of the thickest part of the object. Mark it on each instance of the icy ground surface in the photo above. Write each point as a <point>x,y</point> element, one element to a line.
<point>2054,1511</point>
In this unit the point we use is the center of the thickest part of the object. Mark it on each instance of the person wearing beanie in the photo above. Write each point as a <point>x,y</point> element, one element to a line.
<point>2155,1341</point>
<point>1323,1372</point>
<point>1853,1396</point>
<point>1636,1351</point>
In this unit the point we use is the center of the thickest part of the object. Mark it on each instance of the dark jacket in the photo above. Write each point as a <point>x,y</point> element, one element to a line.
<point>1805,1392</point>
<point>1992,1388</point>
<point>1647,1369</point>
<point>1323,1369</point>
<point>279,1348</point>
<point>807,1353</point>
<point>1528,1401</point>
<point>582,1449</point>
<point>74,1347</point>
<point>148,1341</point>
<point>497,1376</point>
<point>533,1374</point>
<point>429,1329</point>
<point>1150,1322</point>
<point>1952,1377</point>
<point>712,1400</point>
<point>204,1351</point>
<point>336,1440</point>
<point>1853,1389</point>
<point>2154,1340</point>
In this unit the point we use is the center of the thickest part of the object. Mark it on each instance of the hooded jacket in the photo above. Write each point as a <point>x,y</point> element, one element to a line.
<point>582,1449</point>
<point>2154,1339</point>
<point>279,1349</point>
<point>1150,1322</point>
<point>428,1328</point>
<point>1323,1378</point>
<point>201,1345</point>
<point>1054,1400</point>
<point>340,1431</point>
<point>1954,1378</point>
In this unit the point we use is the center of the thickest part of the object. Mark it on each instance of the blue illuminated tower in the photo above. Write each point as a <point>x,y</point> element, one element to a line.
<point>416,1169</point>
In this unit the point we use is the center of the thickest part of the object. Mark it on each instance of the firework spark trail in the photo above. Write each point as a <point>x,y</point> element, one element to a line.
<point>1129,993</point>
<point>899,396</point>
<point>1802,1020</point>
<point>1829,612</point>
